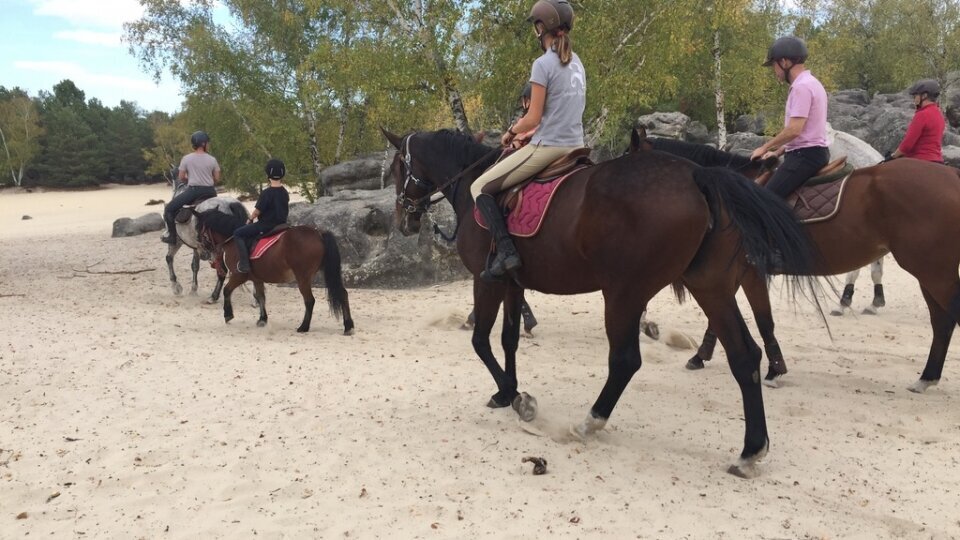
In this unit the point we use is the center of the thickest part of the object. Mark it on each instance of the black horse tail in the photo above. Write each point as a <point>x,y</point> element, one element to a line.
<point>770,234</point>
<point>239,211</point>
<point>333,275</point>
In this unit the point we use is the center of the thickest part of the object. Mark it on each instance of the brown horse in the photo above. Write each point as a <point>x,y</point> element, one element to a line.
<point>906,207</point>
<point>627,227</point>
<point>296,256</point>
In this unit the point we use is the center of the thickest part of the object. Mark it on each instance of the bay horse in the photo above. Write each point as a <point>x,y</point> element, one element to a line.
<point>187,235</point>
<point>627,227</point>
<point>905,207</point>
<point>297,256</point>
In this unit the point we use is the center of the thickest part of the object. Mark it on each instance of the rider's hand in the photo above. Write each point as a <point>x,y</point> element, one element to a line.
<point>506,138</point>
<point>758,154</point>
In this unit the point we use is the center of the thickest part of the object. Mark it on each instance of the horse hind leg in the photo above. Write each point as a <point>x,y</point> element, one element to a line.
<point>943,322</point>
<point>235,281</point>
<point>306,290</point>
<point>622,319</point>
<point>195,268</point>
<point>758,296</point>
<point>743,357</point>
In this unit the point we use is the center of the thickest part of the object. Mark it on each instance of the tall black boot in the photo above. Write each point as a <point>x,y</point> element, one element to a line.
<point>506,259</point>
<point>171,236</point>
<point>243,255</point>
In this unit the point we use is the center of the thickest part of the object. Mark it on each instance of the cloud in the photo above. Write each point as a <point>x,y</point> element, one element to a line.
<point>99,13</point>
<point>110,89</point>
<point>89,37</point>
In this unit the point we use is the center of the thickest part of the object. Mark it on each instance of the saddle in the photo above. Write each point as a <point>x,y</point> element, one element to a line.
<point>564,165</point>
<point>833,171</point>
<point>818,199</point>
<point>183,215</point>
<point>267,240</point>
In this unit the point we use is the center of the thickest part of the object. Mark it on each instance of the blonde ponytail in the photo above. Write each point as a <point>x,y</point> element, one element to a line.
<point>563,47</point>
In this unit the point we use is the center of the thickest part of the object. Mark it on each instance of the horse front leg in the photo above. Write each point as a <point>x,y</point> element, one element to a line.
<point>486,302</point>
<point>621,316</point>
<point>174,284</point>
<point>513,307</point>
<point>195,267</point>
<point>705,352</point>
<point>220,268</point>
<point>235,281</point>
<point>755,288</point>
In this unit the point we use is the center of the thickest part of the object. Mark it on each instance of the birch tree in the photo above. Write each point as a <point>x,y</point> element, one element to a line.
<point>19,132</point>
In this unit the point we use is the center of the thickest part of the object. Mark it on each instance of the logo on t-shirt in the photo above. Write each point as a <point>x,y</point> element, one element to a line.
<point>577,78</point>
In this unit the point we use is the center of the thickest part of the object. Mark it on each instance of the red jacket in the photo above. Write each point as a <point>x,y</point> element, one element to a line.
<point>925,134</point>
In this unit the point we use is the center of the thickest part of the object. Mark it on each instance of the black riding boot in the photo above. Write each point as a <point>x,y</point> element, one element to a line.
<point>506,258</point>
<point>171,236</point>
<point>243,255</point>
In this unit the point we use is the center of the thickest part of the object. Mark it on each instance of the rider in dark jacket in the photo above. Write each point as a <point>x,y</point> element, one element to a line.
<point>271,210</point>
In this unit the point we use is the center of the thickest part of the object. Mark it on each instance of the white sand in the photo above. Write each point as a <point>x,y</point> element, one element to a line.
<point>152,418</point>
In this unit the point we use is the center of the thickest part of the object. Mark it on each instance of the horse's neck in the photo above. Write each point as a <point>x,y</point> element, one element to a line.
<point>460,198</point>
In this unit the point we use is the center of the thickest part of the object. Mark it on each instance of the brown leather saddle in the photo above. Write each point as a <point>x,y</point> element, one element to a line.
<point>565,164</point>
<point>818,199</point>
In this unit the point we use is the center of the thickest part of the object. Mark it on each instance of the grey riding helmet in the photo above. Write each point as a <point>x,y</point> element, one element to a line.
<point>789,47</point>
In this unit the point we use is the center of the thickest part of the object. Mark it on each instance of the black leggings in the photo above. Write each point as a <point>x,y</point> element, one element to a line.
<point>798,166</point>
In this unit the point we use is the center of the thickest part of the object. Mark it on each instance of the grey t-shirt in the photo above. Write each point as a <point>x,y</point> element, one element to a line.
<point>199,168</point>
<point>562,121</point>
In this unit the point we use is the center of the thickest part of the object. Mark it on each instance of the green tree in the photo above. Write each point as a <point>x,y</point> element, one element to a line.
<point>19,132</point>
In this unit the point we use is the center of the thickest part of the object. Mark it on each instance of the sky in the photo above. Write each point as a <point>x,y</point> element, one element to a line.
<point>43,42</point>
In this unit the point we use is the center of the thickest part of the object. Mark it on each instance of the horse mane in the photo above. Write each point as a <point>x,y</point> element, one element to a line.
<point>220,223</point>
<point>461,147</point>
<point>701,154</point>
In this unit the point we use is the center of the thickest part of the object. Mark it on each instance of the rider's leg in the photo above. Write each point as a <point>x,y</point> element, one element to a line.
<point>170,212</point>
<point>514,169</point>
<point>241,240</point>
<point>798,166</point>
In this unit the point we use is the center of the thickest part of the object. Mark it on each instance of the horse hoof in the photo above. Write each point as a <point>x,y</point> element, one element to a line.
<point>499,401</point>
<point>526,406</point>
<point>921,386</point>
<point>870,310</point>
<point>348,332</point>
<point>228,319</point>
<point>301,329</point>
<point>193,292</point>
<point>694,363</point>
<point>651,329</point>
<point>211,301</point>
<point>177,289</point>
<point>837,312</point>
<point>747,468</point>
<point>772,382</point>
<point>588,427</point>
<point>261,324</point>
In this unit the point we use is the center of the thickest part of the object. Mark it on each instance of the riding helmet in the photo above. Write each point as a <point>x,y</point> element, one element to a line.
<point>275,169</point>
<point>789,47</point>
<point>553,14</point>
<point>199,138</point>
<point>926,86</point>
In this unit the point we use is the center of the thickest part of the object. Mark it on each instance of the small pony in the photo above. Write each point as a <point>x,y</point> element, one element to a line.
<point>297,255</point>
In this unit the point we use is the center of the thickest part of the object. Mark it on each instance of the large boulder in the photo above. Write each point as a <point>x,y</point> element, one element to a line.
<point>374,253</point>
<point>133,227</point>
<point>750,123</point>
<point>858,152</point>
<point>744,143</point>
<point>363,172</point>
<point>672,125</point>
<point>951,156</point>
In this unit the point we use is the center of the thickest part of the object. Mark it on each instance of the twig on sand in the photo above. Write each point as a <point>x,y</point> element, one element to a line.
<point>117,272</point>
<point>17,295</point>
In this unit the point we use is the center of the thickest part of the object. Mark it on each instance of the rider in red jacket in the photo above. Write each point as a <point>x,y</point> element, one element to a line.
<point>924,136</point>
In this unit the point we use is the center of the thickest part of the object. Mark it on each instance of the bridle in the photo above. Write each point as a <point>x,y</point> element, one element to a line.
<point>422,204</point>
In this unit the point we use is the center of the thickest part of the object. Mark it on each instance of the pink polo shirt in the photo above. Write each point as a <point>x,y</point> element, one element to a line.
<point>807,99</point>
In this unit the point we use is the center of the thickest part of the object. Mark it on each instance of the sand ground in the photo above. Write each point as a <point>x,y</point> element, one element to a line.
<point>129,412</point>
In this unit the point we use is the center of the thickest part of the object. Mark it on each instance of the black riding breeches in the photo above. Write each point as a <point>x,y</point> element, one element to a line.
<point>798,166</point>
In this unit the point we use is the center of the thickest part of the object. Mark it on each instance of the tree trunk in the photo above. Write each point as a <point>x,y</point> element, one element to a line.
<point>718,91</point>
<point>315,153</point>
<point>341,134</point>
<point>13,175</point>
<point>596,128</point>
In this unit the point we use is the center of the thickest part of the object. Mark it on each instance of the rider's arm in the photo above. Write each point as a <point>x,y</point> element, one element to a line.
<point>182,175</point>
<point>538,96</point>
<point>792,130</point>
<point>216,175</point>
<point>914,130</point>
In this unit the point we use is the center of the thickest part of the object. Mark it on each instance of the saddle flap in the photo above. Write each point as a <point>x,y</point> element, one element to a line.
<point>184,214</point>
<point>566,163</point>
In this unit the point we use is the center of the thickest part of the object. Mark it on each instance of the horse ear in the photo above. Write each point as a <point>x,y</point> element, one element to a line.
<point>479,137</point>
<point>634,140</point>
<point>394,140</point>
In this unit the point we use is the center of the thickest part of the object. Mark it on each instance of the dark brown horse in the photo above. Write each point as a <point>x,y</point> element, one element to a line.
<point>906,207</point>
<point>296,256</point>
<point>627,227</point>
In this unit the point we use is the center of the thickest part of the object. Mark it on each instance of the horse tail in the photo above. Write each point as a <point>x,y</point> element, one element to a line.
<point>770,234</point>
<point>239,211</point>
<point>333,275</point>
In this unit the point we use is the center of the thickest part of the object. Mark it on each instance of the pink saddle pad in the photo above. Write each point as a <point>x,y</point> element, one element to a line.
<point>533,201</point>
<point>264,244</point>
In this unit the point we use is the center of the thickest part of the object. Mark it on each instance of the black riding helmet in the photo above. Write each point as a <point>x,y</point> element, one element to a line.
<point>930,87</point>
<point>789,47</point>
<point>199,138</point>
<point>275,169</point>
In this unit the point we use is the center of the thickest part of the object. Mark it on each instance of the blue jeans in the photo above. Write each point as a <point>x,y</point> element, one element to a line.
<point>189,195</point>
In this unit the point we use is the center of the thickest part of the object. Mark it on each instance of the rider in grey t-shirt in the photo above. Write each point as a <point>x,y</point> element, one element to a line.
<point>201,171</point>
<point>562,121</point>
